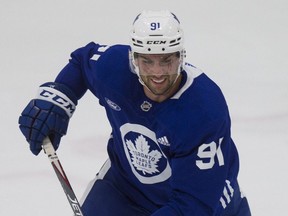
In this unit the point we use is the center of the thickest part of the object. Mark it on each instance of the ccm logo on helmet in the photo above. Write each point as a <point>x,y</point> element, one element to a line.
<point>156,42</point>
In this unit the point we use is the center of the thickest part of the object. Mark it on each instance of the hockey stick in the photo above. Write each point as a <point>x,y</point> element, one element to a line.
<point>51,153</point>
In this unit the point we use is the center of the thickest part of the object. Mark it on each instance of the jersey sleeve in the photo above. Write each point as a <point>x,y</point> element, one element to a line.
<point>98,68</point>
<point>77,72</point>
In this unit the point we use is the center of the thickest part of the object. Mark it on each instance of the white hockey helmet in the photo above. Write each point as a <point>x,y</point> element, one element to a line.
<point>156,32</point>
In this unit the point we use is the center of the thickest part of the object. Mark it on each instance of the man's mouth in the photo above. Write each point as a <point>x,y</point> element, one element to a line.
<point>158,81</point>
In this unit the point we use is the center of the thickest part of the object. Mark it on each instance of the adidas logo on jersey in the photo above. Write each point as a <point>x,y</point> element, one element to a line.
<point>163,140</point>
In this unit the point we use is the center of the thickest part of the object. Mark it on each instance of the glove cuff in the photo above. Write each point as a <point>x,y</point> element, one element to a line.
<point>59,95</point>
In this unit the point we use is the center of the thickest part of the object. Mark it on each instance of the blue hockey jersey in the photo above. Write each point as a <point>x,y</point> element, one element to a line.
<point>174,156</point>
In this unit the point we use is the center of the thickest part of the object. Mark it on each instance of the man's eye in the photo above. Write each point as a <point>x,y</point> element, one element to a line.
<point>147,62</point>
<point>166,61</point>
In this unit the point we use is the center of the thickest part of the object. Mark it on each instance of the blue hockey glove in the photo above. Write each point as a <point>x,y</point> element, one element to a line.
<point>47,115</point>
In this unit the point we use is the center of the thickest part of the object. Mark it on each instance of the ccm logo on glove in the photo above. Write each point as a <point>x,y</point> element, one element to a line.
<point>58,98</point>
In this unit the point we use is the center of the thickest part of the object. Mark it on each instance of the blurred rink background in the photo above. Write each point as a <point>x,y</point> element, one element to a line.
<point>242,45</point>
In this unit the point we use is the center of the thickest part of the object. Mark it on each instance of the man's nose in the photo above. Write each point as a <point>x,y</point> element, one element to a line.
<point>157,69</point>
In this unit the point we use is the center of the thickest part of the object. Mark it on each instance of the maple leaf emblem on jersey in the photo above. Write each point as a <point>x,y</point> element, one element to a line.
<point>143,159</point>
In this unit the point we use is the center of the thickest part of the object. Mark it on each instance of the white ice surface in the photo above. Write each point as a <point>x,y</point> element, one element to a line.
<point>242,45</point>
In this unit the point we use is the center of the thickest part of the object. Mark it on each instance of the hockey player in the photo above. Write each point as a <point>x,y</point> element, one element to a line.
<point>170,150</point>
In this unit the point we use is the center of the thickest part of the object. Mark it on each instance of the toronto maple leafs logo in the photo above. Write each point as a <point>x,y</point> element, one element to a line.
<point>147,161</point>
<point>143,159</point>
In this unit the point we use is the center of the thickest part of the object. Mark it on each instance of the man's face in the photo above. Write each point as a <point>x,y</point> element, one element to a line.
<point>158,71</point>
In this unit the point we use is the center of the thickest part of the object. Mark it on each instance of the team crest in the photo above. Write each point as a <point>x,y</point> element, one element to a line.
<point>143,159</point>
<point>147,161</point>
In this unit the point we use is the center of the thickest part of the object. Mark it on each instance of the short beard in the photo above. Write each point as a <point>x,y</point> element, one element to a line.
<point>165,91</point>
